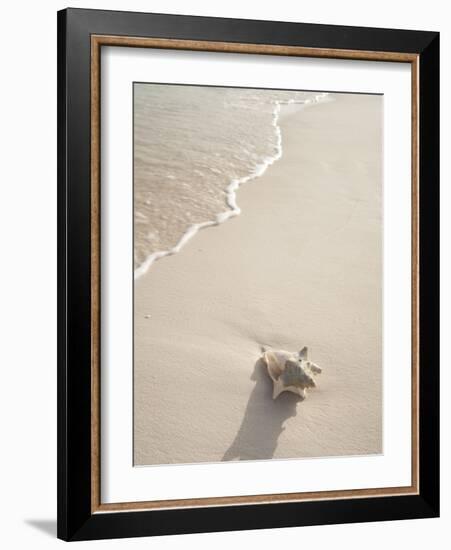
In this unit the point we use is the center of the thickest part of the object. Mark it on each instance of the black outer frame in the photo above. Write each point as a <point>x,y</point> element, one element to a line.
<point>75,520</point>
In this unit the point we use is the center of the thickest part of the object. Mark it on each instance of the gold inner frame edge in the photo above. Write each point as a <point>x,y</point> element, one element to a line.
<point>97,41</point>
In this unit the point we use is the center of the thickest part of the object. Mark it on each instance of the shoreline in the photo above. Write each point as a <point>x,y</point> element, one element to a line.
<point>231,190</point>
<point>300,266</point>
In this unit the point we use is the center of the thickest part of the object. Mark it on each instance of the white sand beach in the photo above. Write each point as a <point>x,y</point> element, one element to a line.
<point>301,266</point>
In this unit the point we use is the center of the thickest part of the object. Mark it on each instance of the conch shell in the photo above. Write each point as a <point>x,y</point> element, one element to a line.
<point>290,371</point>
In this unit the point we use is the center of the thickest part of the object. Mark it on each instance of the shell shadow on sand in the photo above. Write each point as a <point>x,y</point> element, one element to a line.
<point>263,419</point>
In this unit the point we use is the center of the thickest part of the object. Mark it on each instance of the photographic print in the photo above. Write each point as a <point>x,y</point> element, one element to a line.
<point>257,274</point>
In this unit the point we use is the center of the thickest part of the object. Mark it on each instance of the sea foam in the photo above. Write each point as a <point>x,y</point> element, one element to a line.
<point>231,189</point>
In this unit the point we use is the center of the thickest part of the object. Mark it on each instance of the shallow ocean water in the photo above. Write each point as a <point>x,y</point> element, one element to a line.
<point>193,147</point>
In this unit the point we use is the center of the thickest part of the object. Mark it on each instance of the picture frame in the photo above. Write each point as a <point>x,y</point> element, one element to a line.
<point>81,36</point>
